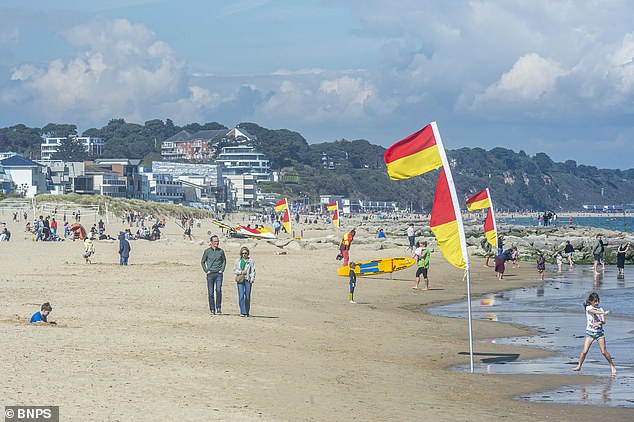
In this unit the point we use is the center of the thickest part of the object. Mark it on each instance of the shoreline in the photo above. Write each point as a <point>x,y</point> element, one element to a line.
<point>145,328</point>
<point>557,328</point>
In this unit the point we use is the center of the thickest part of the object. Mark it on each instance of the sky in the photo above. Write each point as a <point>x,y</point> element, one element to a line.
<point>534,75</point>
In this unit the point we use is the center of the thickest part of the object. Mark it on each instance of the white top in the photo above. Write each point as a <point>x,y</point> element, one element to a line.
<point>410,231</point>
<point>593,321</point>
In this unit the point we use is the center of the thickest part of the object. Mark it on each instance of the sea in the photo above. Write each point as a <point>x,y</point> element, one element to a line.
<point>615,223</point>
<point>555,309</point>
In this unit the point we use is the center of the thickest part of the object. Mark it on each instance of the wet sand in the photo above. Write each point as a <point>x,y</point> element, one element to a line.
<point>139,343</point>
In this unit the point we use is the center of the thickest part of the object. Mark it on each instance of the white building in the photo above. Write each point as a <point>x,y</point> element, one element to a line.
<point>94,146</point>
<point>29,177</point>
<point>244,159</point>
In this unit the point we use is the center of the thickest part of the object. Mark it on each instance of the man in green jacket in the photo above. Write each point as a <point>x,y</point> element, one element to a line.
<point>214,263</point>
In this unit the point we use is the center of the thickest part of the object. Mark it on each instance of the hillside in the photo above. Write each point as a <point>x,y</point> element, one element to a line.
<point>355,168</point>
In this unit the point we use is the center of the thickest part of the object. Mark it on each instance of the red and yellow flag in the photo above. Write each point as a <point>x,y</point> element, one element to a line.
<point>489,229</point>
<point>281,205</point>
<point>332,206</point>
<point>286,221</point>
<point>335,219</point>
<point>479,201</point>
<point>444,222</point>
<point>417,154</point>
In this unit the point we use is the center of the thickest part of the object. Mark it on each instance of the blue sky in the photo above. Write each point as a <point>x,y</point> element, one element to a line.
<point>541,76</point>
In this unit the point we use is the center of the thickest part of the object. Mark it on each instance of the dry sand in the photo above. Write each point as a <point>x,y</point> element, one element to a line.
<point>138,343</point>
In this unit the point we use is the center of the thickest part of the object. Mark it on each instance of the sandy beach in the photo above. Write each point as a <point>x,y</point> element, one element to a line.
<point>138,343</point>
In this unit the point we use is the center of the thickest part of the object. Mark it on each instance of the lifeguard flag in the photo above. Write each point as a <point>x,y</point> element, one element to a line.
<point>417,154</point>
<point>479,201</point>
<point>335,218</point>
<point>444,223</point>
<point>489,230</point>
<point>286,222</point>
<point>281,205</point>
<point>332,207</point>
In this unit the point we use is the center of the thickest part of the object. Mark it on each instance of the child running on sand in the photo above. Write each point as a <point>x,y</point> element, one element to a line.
<point>89,248</point>
<point>595,320</point>
<point>353,281</point>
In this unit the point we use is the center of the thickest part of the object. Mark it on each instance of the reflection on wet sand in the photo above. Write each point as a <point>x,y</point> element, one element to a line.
<point>556,309</point>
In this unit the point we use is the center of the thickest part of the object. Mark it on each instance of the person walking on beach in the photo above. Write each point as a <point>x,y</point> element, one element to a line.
<point>353,281</point>
<point>569,251</point>
<point>124,249</point>
<point>595,320</point>
<point>214,262</point>
<point>597,252</point>
<point>244,270</point>
<point>560,261</point>
<point>89,248</point>
<point>344,246</point>
<point>620,259</point>
<point>488,251</point>
<point>541,265</point>
<point>422,261</point>
<point>411,236</point>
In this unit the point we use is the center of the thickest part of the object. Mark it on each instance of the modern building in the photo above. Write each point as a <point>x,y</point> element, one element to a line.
<point>94,146</point>
<point>62,175</point>
<point>28,177</point>
<point>137,183</point>
<point>185,182</point>
<point>202,144</point>
<point>244,159</point>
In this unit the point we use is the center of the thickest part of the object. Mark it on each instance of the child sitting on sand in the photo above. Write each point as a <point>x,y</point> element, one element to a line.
<point>42,315</point>
<point>353,281</point>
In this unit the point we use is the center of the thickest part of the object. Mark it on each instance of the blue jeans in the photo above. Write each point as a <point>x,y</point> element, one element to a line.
<point>244,297</point>
<point>123,260</point>
<point>214,280</point>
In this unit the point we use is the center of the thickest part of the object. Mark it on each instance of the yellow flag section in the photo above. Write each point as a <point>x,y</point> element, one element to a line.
<point>332,206</point>
<point>444,223</point>
<point>489,229</point>
<point>286,221</point>
<point>377,266</point>
<point>479,201</point>
<point>415,155</point>
<point>281,205</point>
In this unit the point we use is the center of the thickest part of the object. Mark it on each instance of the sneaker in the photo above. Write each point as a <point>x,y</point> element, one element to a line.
<point>352,301</point>
<point>219,312</point>
<point>243,315</point>
<point>213,312</point>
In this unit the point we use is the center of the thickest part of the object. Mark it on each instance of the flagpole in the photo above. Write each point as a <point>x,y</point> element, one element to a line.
<point>463,241</point>
<point>495,226</point>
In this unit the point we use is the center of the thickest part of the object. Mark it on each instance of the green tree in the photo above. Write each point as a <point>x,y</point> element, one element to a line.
<point>57,130</point>
<point>70,149</point>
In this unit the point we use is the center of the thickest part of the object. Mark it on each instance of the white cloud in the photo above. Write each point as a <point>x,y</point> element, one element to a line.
<point>530,79</point>
<point>123,71</point>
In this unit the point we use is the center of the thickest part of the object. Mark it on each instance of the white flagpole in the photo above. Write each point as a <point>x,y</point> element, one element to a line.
<point>463,241</point>
<point>495,227</point>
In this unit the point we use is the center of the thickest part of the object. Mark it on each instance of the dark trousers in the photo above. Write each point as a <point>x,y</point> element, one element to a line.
<point>214,282</point>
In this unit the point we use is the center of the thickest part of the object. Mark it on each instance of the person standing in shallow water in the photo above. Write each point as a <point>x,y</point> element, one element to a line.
<point>620,258</point>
